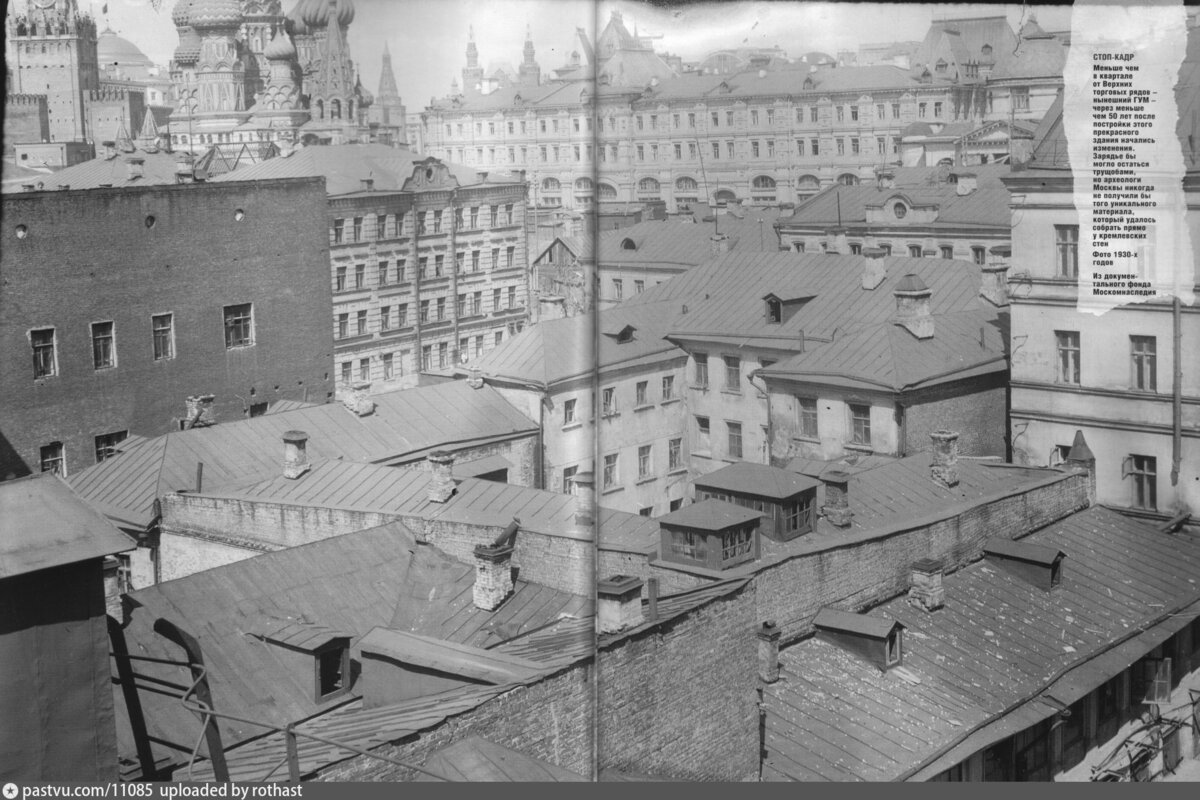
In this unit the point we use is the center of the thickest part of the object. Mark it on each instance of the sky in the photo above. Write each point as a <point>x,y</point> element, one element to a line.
<point>428,38</point>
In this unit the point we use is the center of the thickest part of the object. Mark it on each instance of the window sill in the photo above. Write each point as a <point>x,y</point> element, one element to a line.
<point>733,392</point>
<point>612,490</point>
<point>677,471</point>
<point>647,479</point>
<point>610,414</point>
<point>669,401</point>
<point>699,387</point>
<point>572,426</point>
<point>645,407</point>
<point>862,448</point>
<point>239,346</point>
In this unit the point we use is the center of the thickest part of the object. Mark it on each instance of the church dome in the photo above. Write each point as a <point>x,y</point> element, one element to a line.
<point>188,51</point>
<point>296,18</point>
<point>317,13</point>
<point>180,14</point>
<point>215,13</point>
<point>113,50</point>
<point>280,47</point>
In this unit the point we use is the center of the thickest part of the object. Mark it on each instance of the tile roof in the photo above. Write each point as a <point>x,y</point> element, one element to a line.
<point>344,167</point>
<point>44,524</point>
<point>1001,656</point>
<point>404,427</point>
<point>562,349</point>
<point>375,578</point>
<point>368,487</point>
<point>757,479</point>
<point>886,356</point>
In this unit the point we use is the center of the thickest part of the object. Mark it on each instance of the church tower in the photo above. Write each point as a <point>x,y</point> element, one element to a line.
<point>390,109</point>
<point>472,73</point>
<point>530,74</point>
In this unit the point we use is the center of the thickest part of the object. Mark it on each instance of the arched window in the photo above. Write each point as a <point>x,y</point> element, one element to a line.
<point>335,109</point>
<point>986,49</point>
<point>686,184</point>
<point>583,185</point>
<point>807,185</point>
<point>608,192</point>
<point>320,109</point>
<point>628,244</point>
<point>946,162</point>
<point>649,186</point>
<point>848,179</point>
<point>764,182</point>
<point>725,196</point>
<point>551,185</point>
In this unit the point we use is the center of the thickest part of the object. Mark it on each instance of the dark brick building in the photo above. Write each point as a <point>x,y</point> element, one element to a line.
<point>120,304</point>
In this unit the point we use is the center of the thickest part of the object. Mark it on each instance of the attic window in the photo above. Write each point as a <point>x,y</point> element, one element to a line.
<point>900,210</point>
<point>628,244</point>
<point>333,665</point>
<point>986,49</point>
<point>895,646</point>
<point>774,310</point>
<point>941,66</point>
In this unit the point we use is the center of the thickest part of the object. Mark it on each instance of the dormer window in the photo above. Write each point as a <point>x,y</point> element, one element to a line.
<point>332,667</point>
<point>628,244</point>
<point>900,210</point>
<point>895,647</point>
<point>877,640</point>
<point>311,652</point>
<point>774,311</point>
<point>1036,564</point>
<point>711,534</point>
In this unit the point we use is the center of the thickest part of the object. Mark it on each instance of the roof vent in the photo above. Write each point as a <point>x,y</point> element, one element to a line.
<point>912,307</point>
<point>878,640</point>
<point>295,454</point>
<point>1037,564</point>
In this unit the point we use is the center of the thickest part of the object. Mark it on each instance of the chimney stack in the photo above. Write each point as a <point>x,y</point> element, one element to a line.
<point>768,652</point>
<point>837,498</point>
<point>967,183</point>
<point>441,484</point>
<point>718,243</point>
<point>109,150</point>
<point>925,585</point>
<point>200,411</point>
<point>994,282</point>
<point>837,242</point>
<point>585,499</point>
<point>912,307</point>
<point>1081,457</point>
<point>295,454</point>
<point>356,398</point>
<point>368,184</point>
<point>135,167</point>
<point>885,177</point>
<point>475,379</point>
<point>874,270</point>
<point>944,466</point>
<point>493,575</point>
<point>619,603</point>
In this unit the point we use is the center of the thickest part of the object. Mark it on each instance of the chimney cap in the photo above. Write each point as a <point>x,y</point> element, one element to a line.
<point>769,630</point>
<point>1079,449</point>
<point>927,565</point>
<point>835,476</point>
<point>619,585</point>
<point>295,437</point>
<point>911,284</point>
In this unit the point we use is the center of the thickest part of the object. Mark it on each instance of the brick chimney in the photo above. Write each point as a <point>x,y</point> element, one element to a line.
<point>441,484</point>
<point>200,411</point>
<point>885,177</point>
<point>356,398</point>
<point>768,652</point>
<point>912,307</point>
<point>585,499</point>
<point>837,498</point>
<point>944,466</point>
<point>874,270</point>
<point>295,454</point>
<point>994,282</point>
<point>475,379</point>
<point>493,575</point>
<point>925,585</point>
<point>718,243</point>
<point>619,603</point>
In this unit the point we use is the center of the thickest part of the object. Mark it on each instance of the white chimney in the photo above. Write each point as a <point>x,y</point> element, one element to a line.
<point>475,379</point>
<point>493,575</point>
<point>585,501</point>
<point>837,241</point>
<point>134,168</point>
<point>768,652</point>
<point>356,398</point>
<point>967,183</point>
<point>994,276</point>
<point>885,178</point>
<point>619,603</point>
<point>295,454</point>
<point>200,411</point>
<point>441,484</point>
<point>912,307</point>
<point>944,466</point>
<point>925,589</point>
<point>874,270</point>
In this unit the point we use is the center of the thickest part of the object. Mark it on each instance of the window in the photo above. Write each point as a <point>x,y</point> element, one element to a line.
<point>1020,99</point>
<point>52,459</point>
<point>1066,239</point>
<point>716,146</point>
<point>568,478</point>
<point>618,289</point>
<point>45,362</point>
<point>331,671</point>
<point>979,255</point>
<point>841,113</point>
<point>754,149</point>
<point>806,411</point>
<point>610,470</point>
<point>797,516</point>
<point>495,300</point>
<point>668,387</point>
<point>343,326</point>
<point>921,109</point>
<point>358,229</point>
<point>841,147</point>
<point>427,356</point>
<point>1144,471</point>
<point>947,251</point>
<point>360,276</point>
<point>477,303</point>
<point>689,544</point>
<point>339,231</point>
<point>106,444</point>
<point>104,353</point>
<point>736,543</point>
<point>510,257</point>
<point>729,118</point>
<point>729,149</point>
<point>345,367</point>
<point>914,250</point>
<point>1067,345</point>
<point>441,309</point>
<point>644,461</point>
<point>239,325</point>
<point>703,430</point>
<point>402,315</point>
<point>1145,370</point>
<point>812,114</point>
<point>799,147</point>
<point>340,280</point>
<point>439,265</point>
<point>701,370</point>
<point>860,425</point>
<point>443,353</point>
<point>424,312</point>
<point>815,147</point>
<point>674,447</point>
<point>895,111</point>
<point>460,308</point>
<point>383,273</point>
<point>423,267</point>
<point>734,430</point>
<point>437,221</point>
<point>385,318</point>
<point>364,369</point>
<point>163,327</point>
<point>640,393</point>
<point>568,411</point>
<point>360,327</point>
<point>608,401</point>
<point>474,217</point>
<point>733,374</point>
<point>639,287</point>
<point>388,366</point>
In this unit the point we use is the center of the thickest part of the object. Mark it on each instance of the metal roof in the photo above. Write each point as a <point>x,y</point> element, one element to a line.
<point>979,668</point>
<point>158,167</point>
<point>477,759</point>
<point>404,427</point>
<point>1021,550</point>
<point>710,515</point>
<point>44,524</point>
<point>431,653</point>
<point>760,480</point>
<point>836,620</point>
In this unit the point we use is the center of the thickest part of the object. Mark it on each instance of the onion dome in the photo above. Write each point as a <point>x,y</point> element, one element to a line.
<point>188,51</point>
<point>295,19</point>
<point>280,48</point>
<point>180,14</point>
<point>345,12</point>
<point>315,13</point>
<point>215,14</point>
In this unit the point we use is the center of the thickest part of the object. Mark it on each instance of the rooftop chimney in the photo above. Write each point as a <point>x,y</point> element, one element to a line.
<point>441,485</point>
<point>874,270</point>
<point>768,652</point>
<point>109,150</point>
<point>619,603</point>
<point>493,575</point>
<point>475,379</point>
<point>944,466</point>
<point>135,167</point>
<point>994,282</point>
<point>925,585</point>
<point>1081,457</point>
<point>585,500</point>
<point>837,498</point>
<point>837,243</point>
<point>718,243</point>
<point>356,398</point>
<point>368,184</point>
<point>967,183</point>
<point>885,178</point>
<point>912,307</point>
<point>295,454</point>
<point>200,411</point>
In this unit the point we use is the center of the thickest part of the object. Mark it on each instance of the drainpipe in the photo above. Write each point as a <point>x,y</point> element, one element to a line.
<point>453,298</point>
<point>416,306</point>
<point>1176,392</point>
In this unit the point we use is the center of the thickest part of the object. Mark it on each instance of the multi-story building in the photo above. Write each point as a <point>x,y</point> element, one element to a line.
<point>427,260</point>
<point>1124,377</point>
<point>769,136</point>
<point>124,308</point>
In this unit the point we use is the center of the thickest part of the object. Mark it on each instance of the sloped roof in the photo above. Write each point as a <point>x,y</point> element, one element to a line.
<point>157,168</point>
<point>710,514</point>
<point>886,356</point>
<point>972,33</point>
<point>1037,55</point>
<point>404,427</point>
<point>354,583</point>
<point>849,79</point>
<point>344,167</point>
<point>44,524</point>
<point>988,663</point>
<point>762,480</point>
<point>477,759</point>
<point>369,487</point>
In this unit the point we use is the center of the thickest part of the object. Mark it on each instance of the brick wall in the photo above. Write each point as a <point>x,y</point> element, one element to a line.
<point>25,120</point>
<point>521,453</point>
<point>978,414</point>
<point>677,701</point>
<point>91,256</point>
<point>875,567</point>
